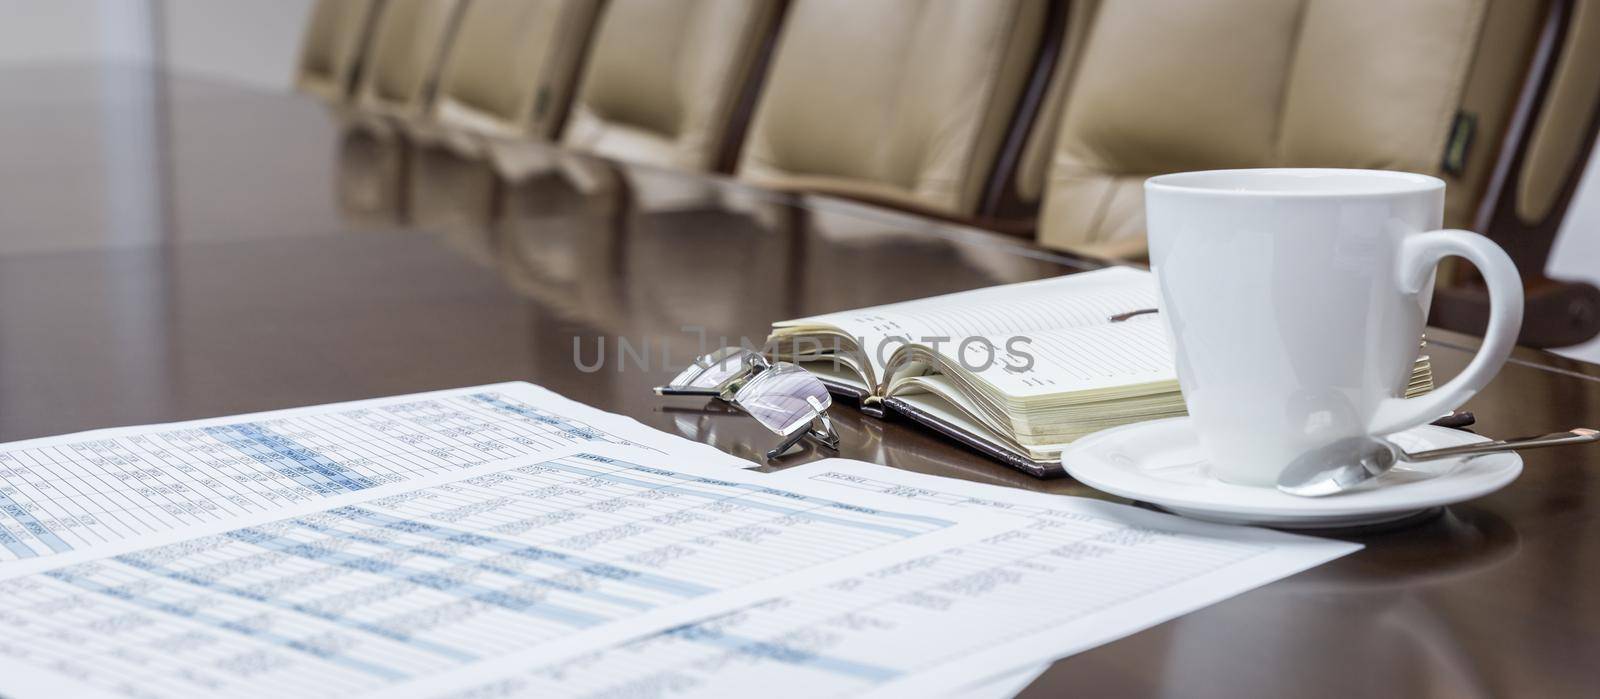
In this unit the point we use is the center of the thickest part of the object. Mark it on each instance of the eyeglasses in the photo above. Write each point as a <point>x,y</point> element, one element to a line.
<point>718,374</point>
<point>781,396</point>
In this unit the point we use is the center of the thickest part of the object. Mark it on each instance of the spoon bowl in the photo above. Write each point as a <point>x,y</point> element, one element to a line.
<point>1338,466</point>
<point>1347,463</point>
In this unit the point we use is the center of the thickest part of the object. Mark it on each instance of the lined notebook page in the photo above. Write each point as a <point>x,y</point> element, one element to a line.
<point>1078,300</point>
<point>1079,359</point>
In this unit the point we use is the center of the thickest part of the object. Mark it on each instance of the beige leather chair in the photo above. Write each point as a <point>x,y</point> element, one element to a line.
<point>1012,199</point>
<point>509,75</point>
<point>330,52</point>
<point>665,78</point>
<point>1425,86</point>
<point>512,67</point>
<point>900,101</point>
<point>1530,188</point>
<point>1500,98</point>
<point>409,40</point>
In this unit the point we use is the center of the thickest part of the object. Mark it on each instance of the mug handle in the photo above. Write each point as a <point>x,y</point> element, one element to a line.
<point>1419,254</point>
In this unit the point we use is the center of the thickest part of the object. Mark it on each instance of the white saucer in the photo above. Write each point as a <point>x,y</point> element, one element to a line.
<point>1161,463</point>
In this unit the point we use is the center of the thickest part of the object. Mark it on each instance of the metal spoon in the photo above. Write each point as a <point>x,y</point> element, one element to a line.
<point>1347,463</point>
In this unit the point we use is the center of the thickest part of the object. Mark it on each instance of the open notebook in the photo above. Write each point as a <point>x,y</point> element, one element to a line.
<point>1016,371</point>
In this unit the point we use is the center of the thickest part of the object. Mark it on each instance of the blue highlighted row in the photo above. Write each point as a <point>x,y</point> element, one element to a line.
<point>299,463</point>
<point>435,581</point>
<point>30,524</point>
<point>533,553</point>
<point>187,612</point>
<point>148,566</point>
<point>484,566</point>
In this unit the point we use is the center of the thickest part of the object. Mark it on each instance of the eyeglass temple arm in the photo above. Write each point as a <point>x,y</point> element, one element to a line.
<point>753,364</point>
<point>787,444</point>
<point>686,391</point>
<point>824,436</point>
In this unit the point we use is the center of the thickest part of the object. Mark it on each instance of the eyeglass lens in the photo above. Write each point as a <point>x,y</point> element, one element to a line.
<point>784,398</point>
<point>714,370</point>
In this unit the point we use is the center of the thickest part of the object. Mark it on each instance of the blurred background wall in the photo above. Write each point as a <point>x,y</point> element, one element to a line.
<point>74,30</point>
<point>254,43</point>
<point>248,41</point>
<point>1577,253</point>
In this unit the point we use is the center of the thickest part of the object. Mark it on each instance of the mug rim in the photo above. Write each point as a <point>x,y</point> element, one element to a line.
<point>1347,182</point>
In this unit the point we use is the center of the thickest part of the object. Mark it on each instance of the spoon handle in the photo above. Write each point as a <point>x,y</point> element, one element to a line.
<point>1578,435</point>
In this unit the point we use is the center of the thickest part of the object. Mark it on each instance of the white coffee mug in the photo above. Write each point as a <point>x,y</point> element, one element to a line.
<point>1296,299</point>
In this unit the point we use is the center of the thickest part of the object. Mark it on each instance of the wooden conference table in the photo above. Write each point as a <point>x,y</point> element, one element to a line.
<point>173,248</point>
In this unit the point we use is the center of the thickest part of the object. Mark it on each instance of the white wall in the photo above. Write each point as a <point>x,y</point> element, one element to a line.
<point>119,202</point>
<point>74,30</point>
<point>254,42</point>
<point>1577,251</point>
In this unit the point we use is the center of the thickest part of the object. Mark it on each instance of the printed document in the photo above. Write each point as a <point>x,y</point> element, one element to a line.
<point>502,541</point>
<point>531,561</point>
<point>1073,573</point>
<point>78,491</point>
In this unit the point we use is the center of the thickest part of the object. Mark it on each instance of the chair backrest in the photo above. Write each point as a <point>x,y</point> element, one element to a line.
<point>665,78</point>
<point>1162,87</point>
<point>512,66</point>
<point>1017,187</point>
<point>1556,138</point>
<point>409,38</point>
<point>1544,154</point>
<point>900,101</point>
<point>330,51</point>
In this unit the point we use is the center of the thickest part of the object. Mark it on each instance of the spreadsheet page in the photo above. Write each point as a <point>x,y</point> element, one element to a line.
<point>1072,573</point>
<point>503,541</point>
<point>375,589</point>
<point>62,494</point>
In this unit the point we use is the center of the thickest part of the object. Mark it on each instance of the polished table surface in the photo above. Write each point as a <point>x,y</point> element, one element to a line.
<point>172,248</point>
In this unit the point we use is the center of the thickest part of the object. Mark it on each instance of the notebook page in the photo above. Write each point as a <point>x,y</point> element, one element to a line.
<point>1075,359</point>
<point>1077,300</point>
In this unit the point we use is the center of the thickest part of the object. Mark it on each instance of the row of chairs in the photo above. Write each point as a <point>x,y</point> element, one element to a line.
<point>1042,116</point>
